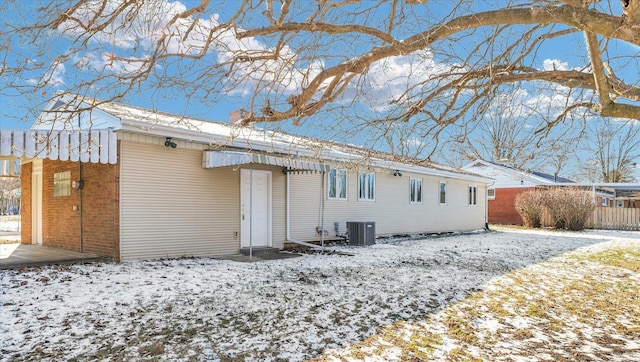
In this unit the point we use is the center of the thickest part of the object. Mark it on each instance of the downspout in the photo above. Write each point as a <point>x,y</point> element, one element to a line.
<point>322,210</point>
<point>288,216</point>
<point>80,189</point>
<point>80,207</point>
<point>251,213</point>
<point>119,200</point>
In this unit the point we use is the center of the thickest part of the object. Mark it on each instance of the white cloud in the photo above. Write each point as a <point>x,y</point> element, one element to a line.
<point>398,78</point>
<point>554,64</point>
<point>539,99</point>
<point>188,36</point>
<point>108,62</point>
<point>52,78</point>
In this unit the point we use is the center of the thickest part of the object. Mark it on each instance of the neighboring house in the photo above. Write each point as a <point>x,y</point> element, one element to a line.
<point>508,183</point>
<point>131,183</point>
<point>611,194</point>
<point>627,196</point>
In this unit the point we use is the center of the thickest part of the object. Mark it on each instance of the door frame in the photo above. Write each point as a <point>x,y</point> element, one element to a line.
<point>245,240</point>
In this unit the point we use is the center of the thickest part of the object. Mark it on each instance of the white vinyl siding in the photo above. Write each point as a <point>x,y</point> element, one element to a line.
<point>391,212</point>
<point>415,190</point>
<point>172,207</point>
<point>366,186</point>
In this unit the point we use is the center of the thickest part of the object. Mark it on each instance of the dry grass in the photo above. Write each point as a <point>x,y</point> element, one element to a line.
<point>582,306</point>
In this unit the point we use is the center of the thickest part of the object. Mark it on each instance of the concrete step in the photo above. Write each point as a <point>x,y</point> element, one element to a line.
<point>260,251</point>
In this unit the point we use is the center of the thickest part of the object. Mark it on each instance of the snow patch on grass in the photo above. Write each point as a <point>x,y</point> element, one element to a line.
<point>397,296</point>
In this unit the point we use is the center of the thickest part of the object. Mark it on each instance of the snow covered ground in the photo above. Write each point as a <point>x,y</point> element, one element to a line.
<point>206,309</point>
<point>9,229</point>
<point>9,223</point>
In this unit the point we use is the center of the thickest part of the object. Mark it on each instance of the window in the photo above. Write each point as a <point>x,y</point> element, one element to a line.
<point>366,186</point>
<point>337,184</point>
<point>62,183</point>
<point>491,194</point>
<point>473,195</point>
<point>443,193</point>
<point>415,185</point>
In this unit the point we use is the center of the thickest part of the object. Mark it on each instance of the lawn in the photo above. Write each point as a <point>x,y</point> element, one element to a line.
<point>507,295</point>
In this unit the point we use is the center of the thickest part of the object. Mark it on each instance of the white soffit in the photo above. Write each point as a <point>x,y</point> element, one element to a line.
<point>95,146</point>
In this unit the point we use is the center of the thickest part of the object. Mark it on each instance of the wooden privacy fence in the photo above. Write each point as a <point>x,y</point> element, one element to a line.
<point>615,218</point>
<point>610,218</point>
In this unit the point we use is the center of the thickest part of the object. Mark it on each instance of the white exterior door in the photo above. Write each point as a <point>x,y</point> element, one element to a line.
<point>255,208</point>
<point>36,202</point>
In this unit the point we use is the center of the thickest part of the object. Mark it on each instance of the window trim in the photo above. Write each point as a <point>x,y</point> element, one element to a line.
<point>441,193</point>
<point>336,173</point>
<point>491,191</point>
<point>413,181</point>
<point>473,195</point>
<point>62,184</point>
<point>367,190</point>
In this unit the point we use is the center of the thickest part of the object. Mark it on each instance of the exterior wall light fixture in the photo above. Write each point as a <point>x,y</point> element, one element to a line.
<point>169,143</point>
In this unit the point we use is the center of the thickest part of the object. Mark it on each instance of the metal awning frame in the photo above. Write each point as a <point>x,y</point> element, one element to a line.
<point>214,159</point>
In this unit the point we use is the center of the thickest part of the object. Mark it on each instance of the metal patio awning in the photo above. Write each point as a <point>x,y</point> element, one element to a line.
<point>212,159</point>
<point>95,146</point>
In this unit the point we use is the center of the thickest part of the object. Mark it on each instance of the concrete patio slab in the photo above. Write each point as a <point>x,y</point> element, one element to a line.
<point>24,255</point>
<point>259,257</point>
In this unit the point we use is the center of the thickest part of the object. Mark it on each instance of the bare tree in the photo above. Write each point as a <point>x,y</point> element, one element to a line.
<point>9,195</point>
<point>430,64</point>
<point>514,132</point>
<point>615,148</point>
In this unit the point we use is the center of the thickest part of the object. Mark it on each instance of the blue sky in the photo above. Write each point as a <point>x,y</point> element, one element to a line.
<point>78,62</point>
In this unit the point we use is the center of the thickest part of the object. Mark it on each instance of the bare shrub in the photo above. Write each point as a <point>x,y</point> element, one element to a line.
<point>530,205</point>
<point>570,208</point>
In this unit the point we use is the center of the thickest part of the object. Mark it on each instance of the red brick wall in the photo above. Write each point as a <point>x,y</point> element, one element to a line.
<point>502,210</point>
<point>101,216</point>
<point>97,208</point>
<point>25,203</point>
<point>60,223</point>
